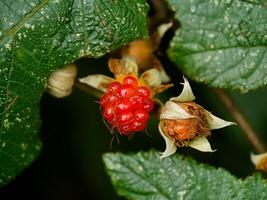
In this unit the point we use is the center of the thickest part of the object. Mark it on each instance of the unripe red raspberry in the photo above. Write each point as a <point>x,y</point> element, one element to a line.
<point>126,106</point>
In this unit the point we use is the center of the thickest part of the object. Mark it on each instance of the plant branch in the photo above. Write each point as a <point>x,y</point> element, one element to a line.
<point>87,89</point>
<point>241,120</point>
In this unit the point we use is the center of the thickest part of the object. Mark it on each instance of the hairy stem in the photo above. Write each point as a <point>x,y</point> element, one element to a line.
<point>241,120</point>
<point>87,89</point>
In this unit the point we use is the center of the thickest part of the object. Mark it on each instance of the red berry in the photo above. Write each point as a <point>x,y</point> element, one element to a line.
<point>126,90</point>
<point>109,112</point>
<point>124,105</point>
<point>138,126</point>
<point>148,104</point>
<point>141,115</point>
<point>144,92</point>
<point>125,129</point>
<point>112,87</point>
<point>130,80</point>
<point>108,98</point>
<point>125,118</point>
<point>104,99</point>
<point>136,101</point>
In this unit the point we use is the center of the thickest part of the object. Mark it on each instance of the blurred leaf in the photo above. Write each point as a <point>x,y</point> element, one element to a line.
<point>36,37</point>
<point>145,176</point>
<point>222,43</point>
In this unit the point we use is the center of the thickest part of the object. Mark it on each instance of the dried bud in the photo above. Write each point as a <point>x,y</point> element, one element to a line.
<point>60,82</point>
<point>152,77</point>
<point>185,123</point>
<point>260,161</point>
<point>125,66</point>
<point>141,51</point>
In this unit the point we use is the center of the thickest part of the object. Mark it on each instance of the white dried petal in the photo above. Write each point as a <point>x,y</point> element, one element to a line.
<point>201,143</point>
<point>163,28</point>
<point>216,122</point>
<point>257,158</point>
<point>152,77</point>
<point>170,144</point>
<point>172,110</point>
<point>186,95</point>
<point>97,81</point>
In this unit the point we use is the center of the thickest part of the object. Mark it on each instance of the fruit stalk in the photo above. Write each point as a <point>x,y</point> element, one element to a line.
<point>244,124</point>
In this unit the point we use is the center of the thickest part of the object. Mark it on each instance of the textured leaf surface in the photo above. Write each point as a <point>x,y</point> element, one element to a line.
<point>222,42</point>
<point>37,37</point>
<point>145,176</point>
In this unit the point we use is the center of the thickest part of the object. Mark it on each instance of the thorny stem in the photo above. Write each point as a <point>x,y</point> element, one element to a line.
<point>244,124</point>
<point>87,89</point>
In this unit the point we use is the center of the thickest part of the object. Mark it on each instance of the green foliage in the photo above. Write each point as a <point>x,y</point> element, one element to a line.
<point>36,37</point>
<point>222,43</point>
<point>145,176</point>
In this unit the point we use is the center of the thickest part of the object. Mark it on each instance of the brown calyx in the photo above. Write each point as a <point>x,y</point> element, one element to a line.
<point>184,130</point>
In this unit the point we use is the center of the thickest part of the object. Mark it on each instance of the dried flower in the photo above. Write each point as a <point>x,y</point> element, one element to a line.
<point>260,161</point>
<point>185,123</point>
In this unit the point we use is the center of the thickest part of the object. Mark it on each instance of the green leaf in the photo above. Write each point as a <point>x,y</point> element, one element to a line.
<point>145,176</point>
<point>222,42</point>
<point>36,37</point>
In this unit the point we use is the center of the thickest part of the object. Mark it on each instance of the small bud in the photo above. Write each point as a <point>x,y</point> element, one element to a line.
<point>152,77</point>
<point>260,161</point>
<point>60,82</point>
<point>185,123</point>
<point>125,66</point>
<point>141,51</point>
<point>155,78</point>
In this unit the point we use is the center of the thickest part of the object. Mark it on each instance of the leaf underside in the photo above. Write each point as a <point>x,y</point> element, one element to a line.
<point>222,42</point>
<point>144,176</point>
<point>37,37</point>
